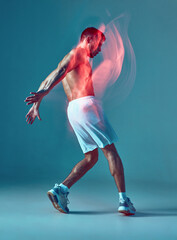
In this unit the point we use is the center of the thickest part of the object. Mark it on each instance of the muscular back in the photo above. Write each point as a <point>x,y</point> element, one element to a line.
<point>78,82</point>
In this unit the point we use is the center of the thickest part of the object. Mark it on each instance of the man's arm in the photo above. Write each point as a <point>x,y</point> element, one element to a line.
<point>70,61</point>
<point>65,66</point>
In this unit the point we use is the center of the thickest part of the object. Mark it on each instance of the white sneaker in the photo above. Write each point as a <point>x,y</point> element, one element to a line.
<point>59,199</point>
<point>126,207</point>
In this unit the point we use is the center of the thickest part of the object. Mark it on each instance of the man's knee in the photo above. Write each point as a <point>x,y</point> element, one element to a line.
<point>110,152</point>
<point>92,156</point>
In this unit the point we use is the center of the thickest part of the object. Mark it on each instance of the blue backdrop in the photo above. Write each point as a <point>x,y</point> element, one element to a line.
<point>35,36</point>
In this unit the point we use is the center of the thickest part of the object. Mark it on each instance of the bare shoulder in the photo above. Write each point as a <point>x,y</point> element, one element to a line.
<point>75,53</point>
<point>68,56</point>
<point>74,58</point>
<point>66,61</point>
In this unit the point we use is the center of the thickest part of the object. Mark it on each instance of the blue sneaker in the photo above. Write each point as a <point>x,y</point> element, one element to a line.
<point>126,207</point>
<point>59,199</point>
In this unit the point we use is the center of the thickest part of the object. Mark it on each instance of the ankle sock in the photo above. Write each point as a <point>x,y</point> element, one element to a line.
<point>64,188</point>
<point>122,195</point>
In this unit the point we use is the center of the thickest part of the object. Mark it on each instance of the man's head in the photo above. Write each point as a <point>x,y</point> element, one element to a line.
<point>94,39</point>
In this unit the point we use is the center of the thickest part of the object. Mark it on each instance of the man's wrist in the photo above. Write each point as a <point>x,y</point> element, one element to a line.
<point>36,105</point>
<point>45,91</point>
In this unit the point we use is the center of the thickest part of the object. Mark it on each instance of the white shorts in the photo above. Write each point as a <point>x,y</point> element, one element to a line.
<point>90,123</point>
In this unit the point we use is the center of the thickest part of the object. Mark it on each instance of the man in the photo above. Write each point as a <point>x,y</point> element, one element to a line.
<point>86,116</point>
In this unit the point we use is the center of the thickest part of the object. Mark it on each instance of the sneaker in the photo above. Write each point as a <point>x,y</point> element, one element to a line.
<point>126,207</point>
<point>59,199</point>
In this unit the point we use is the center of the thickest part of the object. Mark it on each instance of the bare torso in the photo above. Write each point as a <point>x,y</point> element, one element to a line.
<point>78,82</point>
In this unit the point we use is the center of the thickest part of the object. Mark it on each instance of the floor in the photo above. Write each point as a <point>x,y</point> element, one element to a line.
<point>26,213</point>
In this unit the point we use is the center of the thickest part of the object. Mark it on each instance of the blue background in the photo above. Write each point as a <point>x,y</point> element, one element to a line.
<point>35,36</point>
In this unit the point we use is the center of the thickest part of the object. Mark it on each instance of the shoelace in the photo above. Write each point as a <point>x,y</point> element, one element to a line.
<point>65,194</point>
<point>56,185</point>
<point>124,200</point>
<point>129,201</point>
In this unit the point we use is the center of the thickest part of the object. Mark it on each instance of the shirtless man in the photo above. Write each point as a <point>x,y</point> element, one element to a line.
<point>86,117</point>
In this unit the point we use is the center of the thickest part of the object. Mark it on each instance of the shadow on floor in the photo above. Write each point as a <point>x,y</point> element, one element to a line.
<point>109,211</point>
<point>166,212</point>
<point>157,212</point>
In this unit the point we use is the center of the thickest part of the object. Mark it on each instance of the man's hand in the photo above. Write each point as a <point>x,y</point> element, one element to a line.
<point>37,97</point>
<point>32,114</point>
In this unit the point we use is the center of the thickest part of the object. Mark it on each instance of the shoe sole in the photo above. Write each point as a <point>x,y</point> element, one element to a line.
<point>54,201</point>
<point>126,211</point>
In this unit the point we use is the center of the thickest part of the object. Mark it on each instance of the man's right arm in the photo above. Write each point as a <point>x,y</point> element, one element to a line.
<point>53,79</point>
<point>59,73</point>
<point>69,62</point>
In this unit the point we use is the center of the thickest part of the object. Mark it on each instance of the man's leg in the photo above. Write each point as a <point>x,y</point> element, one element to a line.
<point>115,166</point>
<point>58,194</point>
<point>81,168</point>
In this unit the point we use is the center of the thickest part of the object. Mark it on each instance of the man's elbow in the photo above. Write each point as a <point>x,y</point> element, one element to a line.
<point>61,71</point>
